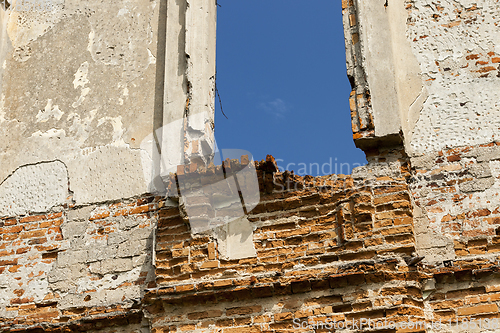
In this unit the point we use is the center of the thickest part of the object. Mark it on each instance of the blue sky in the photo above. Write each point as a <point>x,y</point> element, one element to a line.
<point>282,78</point>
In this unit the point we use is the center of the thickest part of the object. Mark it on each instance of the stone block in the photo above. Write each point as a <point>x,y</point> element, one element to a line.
<point>117,238</point>
<point>72,229</point>
<point>34,188</point>
<point>80,214</point>
<point>425,162</point>
<point>140,233</point>
<point>69,257</point>
<point>95,267</point>
<point>102,252</point>
<point>480,170</point>
<point>128,222</point>
<point>132,248</point>
<point>477,185</point>
<point>116,265</point>
<point>141,260</point>
<point>488,154</point>
<point>58,274</point>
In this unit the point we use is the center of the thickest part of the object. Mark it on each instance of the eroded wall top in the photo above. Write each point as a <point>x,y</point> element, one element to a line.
<point>426,71</point>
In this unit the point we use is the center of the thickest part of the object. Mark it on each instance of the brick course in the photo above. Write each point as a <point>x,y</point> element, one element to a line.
<point>327,247</point>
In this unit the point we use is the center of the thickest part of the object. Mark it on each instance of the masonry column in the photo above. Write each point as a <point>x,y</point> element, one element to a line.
<point>188,114</point>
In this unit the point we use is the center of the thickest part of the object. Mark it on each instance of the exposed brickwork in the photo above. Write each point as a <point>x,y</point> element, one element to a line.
<point>359,99</point>
<point>335,247</point>
<point>458,191</point>
<point>340,240</point>
<point>412,236</point>
<point>299,221</point>
<point>75,265</point>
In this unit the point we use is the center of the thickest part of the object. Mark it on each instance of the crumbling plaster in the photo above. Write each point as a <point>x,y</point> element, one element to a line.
<point>76,87</point>
<point>457,46</point>
<point>82,85</point>
<point>428,71</point>
<point>391,71</point>
<point>431,70</point>
<point>34,188</point>
<point>189,96</point>
<point>96,263</point>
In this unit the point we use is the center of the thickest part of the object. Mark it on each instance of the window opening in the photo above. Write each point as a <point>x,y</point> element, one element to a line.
<point>282,77</point>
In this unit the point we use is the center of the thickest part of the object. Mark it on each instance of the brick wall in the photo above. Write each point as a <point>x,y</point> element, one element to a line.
<point>333,247</point>
<point>327,247</point>
<point>412,236</point>
<point>76,267</point>
<point>458,189</point>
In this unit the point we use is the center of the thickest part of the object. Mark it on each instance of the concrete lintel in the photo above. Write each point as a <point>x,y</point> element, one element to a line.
<point>391,70</point>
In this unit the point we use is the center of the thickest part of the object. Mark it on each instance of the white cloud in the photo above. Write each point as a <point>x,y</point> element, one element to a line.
<point>277,107</point>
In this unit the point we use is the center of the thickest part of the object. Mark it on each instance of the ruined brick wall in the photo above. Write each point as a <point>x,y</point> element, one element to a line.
<point>412,236</point>
<point>441,59</point>
<point>77,262</point>
<point>326,247</point>
<point>333,247</point>
<point>338,238</point>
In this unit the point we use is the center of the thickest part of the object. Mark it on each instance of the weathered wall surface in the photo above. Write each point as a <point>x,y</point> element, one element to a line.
<point>107,90</point>
<point>457,47</point>
<point>76,262</point>
<point>88,97</point>
<point>436,66</point>
<point>457,194</point>
<point>336,248</point>
<point>412,236</point>
<point>429,70</point>
<point>76,87</point>
<point>440,57</point>
<point>322,236</point>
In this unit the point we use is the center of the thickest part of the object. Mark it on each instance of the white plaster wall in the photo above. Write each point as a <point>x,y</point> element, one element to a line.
<point>81,84</point>
<point>391,70</point>
<point>464,94</point>
<point>34,188</point>
<point>78,85</point>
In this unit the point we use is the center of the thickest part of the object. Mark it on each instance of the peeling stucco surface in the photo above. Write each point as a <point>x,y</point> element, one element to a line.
<point>99,179</point>
<point>34,188</point>
<point>457,45</point>
<point>79,260</point>
<point>78,86</point>
<point>95,264</point>
<point>431,69</point>
<point>189,98</point>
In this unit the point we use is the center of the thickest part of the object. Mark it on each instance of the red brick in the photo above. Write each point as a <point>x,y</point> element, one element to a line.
<point>204,314</point>
<point>35,218</point>
<point>33,234</point>
<point>244,310</point>
<point>8,262</point>
<point>479,309</point>
<point>10,230</point>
